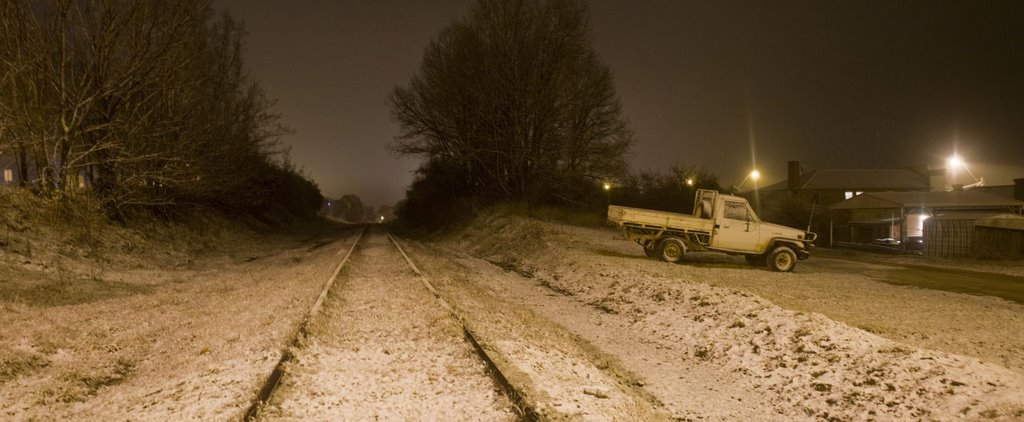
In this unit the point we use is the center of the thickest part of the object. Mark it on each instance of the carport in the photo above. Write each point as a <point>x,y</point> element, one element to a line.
<point>906,212</point>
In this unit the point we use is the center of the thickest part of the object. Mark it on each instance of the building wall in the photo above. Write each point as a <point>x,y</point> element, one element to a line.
<point>948,238</point>
<point>997,243</point>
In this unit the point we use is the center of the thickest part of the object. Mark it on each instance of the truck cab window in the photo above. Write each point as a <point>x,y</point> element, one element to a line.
<point>735,211</point>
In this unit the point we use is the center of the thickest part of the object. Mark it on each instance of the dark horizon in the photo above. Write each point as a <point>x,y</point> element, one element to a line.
<point>724,86</point>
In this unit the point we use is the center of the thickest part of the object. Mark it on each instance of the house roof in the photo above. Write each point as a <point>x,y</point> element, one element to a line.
<point>1001,190</point>
<point>864,179</point>
<point>858,180</point>
<point>968,199</point>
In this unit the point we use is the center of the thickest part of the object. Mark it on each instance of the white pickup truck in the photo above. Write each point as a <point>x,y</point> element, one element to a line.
<point>722,223</point>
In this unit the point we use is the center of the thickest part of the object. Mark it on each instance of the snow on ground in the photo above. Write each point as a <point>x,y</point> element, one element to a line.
<point>383,348</point>
<point>582,325</point>
<point>788,363</point>
<point>153,340</point>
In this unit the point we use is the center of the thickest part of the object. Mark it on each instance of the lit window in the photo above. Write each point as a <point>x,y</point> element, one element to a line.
<point>8,176</point>
<point>848,195</point>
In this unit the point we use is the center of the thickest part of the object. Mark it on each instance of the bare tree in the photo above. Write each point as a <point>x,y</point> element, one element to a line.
<point>514,100</point>
<point>149,102</point>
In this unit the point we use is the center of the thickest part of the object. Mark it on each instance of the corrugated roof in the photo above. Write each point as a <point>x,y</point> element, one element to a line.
<point>865,179</point>
<point>960,215</point>
<point>955,199</point>
<point>1001,190</point>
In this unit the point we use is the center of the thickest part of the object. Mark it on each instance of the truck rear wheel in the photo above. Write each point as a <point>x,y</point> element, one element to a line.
<point>671,249</point>
<point>782,259</point>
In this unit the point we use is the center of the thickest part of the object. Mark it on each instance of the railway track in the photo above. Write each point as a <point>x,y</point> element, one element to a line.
<point>331,296</point>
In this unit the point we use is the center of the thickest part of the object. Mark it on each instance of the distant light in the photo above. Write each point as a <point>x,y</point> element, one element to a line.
<point>607,186</point>
<point>755,175</point>
<point>954,162</point>
<point>689,182</point>
<point>328,203</point>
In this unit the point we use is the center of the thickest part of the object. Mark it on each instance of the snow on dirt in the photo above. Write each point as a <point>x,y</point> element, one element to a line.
<point>581,324</point>
<point>382,348</point>
<point>150,339</point>
<point>773,360</point>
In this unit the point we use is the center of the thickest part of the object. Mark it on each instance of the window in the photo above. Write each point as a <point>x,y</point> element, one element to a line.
<point>736,211</point>
<point>8,176</point>
<point>851,194</point>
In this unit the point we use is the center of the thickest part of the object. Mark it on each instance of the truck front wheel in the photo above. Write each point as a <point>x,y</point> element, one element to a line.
<point>782,259</point>
<point>671,249</point>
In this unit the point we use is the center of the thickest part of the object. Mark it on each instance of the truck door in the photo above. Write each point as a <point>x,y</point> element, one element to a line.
<point>737,228</point>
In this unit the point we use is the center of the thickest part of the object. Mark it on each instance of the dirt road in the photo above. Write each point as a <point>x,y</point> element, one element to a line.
<point>961,279</point>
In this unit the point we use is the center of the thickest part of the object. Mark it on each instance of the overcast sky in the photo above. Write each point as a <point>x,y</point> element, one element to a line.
<point>719,84</point>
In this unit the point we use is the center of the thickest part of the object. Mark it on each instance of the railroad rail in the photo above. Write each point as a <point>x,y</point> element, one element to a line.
<point>524,410</point>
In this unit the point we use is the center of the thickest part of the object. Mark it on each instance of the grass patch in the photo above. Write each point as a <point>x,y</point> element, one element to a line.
<point>38,289</point>
<point>958,281</point>
<point>21,363</point>
<point>79,386</point>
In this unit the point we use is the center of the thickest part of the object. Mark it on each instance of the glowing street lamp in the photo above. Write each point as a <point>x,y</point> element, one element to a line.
<point>607,186</point>
<point>689,182</point>
<point>753,175</point>
<point>954,162</point>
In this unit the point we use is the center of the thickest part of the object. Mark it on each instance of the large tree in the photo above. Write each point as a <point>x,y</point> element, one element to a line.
<point>513,103</point>
<point>146,102</point>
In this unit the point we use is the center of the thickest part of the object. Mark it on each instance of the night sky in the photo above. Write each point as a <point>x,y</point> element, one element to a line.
<point>722,85</point>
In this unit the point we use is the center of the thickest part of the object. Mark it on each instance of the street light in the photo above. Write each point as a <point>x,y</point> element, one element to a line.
<point>607,186</point>
<point>689,182</point>
<point>954,162</point>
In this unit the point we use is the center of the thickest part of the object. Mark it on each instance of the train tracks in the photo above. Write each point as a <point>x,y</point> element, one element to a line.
<point>376,344</point>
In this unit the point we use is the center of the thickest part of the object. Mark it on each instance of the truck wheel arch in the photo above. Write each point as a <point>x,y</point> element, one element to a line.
<point>792,244</point>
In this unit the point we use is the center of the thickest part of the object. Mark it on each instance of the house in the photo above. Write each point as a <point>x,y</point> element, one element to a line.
<point>819,189</point>
<point>829,186</point>
<point>13,170</point>
<point>901,215</point>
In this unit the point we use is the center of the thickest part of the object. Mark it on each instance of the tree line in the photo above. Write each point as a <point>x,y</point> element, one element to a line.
<point>146,104</point>
<point>511,103</point>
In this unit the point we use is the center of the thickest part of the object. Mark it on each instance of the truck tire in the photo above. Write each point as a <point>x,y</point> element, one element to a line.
<point>671,249</point>
<point>755,260</point>
<point>782,259</point>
